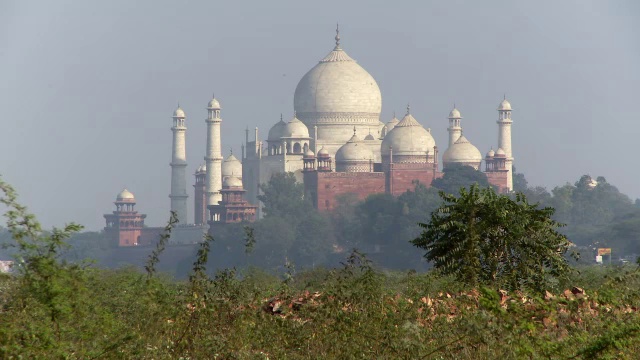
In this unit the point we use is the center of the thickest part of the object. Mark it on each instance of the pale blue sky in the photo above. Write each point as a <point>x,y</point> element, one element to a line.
<point>88,87</point>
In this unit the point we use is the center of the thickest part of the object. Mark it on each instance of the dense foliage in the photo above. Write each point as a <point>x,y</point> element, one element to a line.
<point>481,237</point>
<point>51,308</point>
<point>457,176</point>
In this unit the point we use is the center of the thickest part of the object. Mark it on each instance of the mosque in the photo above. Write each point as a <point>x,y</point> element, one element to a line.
<point>335,144</point>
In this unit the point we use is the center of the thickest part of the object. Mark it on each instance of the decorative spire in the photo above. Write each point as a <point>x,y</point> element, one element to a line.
<point>281,117</point>
<point>394,114</point>
<point>295,114</point>
<point>231,150</point>
<point>354,130</point>
<point>504,96</point>
<point>337,36</point>
<point>408,108</point>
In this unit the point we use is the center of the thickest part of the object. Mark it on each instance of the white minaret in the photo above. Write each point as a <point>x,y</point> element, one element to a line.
<point>179,167</point>
<point>504,137</point>
<point>214,154</point>
<point>454,125</point>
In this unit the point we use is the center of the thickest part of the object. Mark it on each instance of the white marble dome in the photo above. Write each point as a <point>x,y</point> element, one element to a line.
<point>462,151</point>
<point>354,150</point>
<point>232,181</point>
<point>336,95</point>
<point>125,195</point>
<point>408,138</point>
<point>295,129</point>
<point>231,167</point>
<point>179,113</point>
<point>491,153</point>
<point>354,156</point>
<point>201,169</point>
<point>500,153</point>
<point>214,104</point>
<point>277,131</point>
<point>455,114</point>
<point>323,152</point>
<point>504,105</point>
<point>337,84</point>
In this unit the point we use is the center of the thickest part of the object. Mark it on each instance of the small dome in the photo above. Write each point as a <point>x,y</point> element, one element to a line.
<point>201,169</point>
<point>500,153</point>
<point>354,150</point>
<point>214,104</point>
<point>309,154</point>
<point>408,137</point>
<point>231,167</point>
<point>491,153</point>
<point>296,129</point>
<point>323,152</point>
<point>455,114</point>
<point>392,123</point>
<point>504,105</point>
<point>232,181</point>
<point>369,137</point>
<point>125,195</point>
<point>277,131</point>
<point>462,151</point>
<point>179,113</point>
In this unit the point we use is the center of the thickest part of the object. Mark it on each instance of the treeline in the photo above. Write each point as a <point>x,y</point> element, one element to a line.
<point>475,304</point>
<point>596,214</point>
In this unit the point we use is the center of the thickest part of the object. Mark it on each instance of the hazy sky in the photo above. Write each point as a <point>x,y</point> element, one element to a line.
<point>87,88</point>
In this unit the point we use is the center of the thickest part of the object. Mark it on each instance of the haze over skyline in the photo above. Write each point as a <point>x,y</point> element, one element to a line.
<point>89,87</point>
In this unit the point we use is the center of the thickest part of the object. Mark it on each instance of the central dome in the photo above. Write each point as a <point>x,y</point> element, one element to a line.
<point>336,95</point>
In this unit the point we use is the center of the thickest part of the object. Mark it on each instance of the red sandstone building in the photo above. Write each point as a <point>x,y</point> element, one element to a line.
<point>233,208</point>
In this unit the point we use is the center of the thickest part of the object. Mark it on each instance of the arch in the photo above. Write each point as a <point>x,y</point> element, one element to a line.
<point>297,149</point>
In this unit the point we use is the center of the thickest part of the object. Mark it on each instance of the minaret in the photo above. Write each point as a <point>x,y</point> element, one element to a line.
<point>504,137</point>
<point>179,167</point>
<point>213,157</point>
<point>454,125</point>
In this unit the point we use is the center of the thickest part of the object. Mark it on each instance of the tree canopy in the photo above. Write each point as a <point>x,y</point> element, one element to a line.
<point>457,176</point>
<point>485,238</point>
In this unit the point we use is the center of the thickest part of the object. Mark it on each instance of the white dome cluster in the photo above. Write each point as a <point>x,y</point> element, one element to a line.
<point>354,156</point>
<point>409,141</point>
<point>462,152</point>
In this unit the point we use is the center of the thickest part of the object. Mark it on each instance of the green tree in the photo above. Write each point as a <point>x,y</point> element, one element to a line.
<point>457,176</point>
<point>485,238</point>
<point>520,183</point>
<point>283,196</point>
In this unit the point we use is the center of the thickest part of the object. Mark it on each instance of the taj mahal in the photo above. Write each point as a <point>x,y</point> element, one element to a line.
<point>335,144</point>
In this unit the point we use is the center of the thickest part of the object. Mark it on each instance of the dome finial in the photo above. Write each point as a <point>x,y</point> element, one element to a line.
<point>504,96</point>
<point>354,130</point>
<point>231,150</point>
<point>295,114</point>
<point>281,117</point>
<point>408,108</point>
<point>394,114</point>
<point>337,36</point>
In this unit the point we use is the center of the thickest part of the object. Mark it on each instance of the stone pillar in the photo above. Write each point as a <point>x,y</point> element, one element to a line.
<point>213,156</point>
<point>178,164</point>
<point>504,138</point>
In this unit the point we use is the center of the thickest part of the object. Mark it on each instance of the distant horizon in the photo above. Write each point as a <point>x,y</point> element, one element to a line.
<point>91,87</point>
